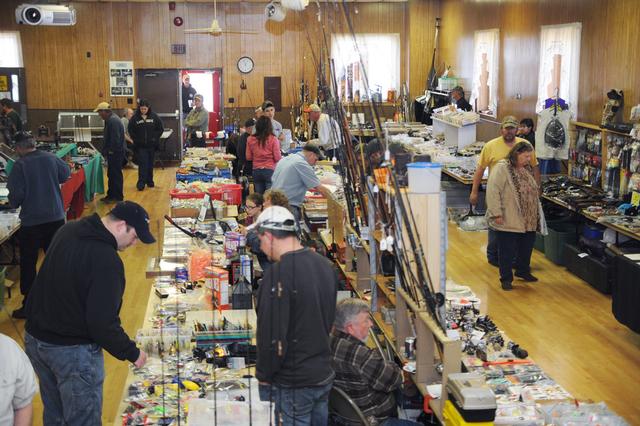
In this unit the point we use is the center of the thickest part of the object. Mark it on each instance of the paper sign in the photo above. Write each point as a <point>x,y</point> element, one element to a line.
<point>121,78</point>
<point>635,198</point>
<point>4,83</point>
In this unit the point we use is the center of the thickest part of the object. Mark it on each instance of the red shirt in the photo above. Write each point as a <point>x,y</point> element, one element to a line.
<point>263,157</point>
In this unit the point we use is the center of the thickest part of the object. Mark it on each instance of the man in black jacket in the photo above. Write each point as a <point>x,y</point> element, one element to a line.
<point>145,128</point>
<point>296,307</point>
<point>114,152</point>
<point>73,312</point>
<point>34,186</point>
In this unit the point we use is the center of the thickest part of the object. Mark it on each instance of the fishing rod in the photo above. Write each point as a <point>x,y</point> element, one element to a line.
<point>433,299</point>
<point>194,234</point>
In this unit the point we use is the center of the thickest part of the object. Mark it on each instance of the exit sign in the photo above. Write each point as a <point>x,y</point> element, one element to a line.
<point>178,49</point>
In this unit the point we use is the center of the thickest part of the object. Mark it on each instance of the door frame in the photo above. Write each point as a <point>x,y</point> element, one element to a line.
<point>220,113</point>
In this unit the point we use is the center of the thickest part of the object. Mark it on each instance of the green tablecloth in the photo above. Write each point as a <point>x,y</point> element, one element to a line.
<point>94,178</point>
<point>92,170</point>
<point>61,152</point>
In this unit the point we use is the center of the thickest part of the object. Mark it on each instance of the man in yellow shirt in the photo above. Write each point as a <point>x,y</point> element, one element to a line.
<point>492,152</point>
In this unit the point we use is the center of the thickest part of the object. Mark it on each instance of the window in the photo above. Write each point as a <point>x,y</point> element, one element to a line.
<point>484,87</point>
<point>382,70</point>
<point>559,64</point>
<point>11,50</point>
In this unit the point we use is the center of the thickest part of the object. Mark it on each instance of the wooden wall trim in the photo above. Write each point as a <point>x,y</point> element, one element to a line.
<point>61,76</point>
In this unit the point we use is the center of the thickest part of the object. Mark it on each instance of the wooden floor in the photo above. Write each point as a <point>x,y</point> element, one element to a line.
<point>566,326</point>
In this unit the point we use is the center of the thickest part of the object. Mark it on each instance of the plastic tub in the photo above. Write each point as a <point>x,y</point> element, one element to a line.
<point>232,193</point>
<point>175,193</point>
<point>424,178</point>
<point>554,244</point>
<point>216,193</point>
<point>539,243</point>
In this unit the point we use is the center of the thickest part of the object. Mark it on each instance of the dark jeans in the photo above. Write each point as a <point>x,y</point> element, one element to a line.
<point>393,421</point>
<point>70,381</point>
<point>31,240</point>
<point>297,213</point>
<point>518,246</point>
<point>114,175</point>
<point>299,406</point>
<point>145,167</point>
<point>262,180</point>
<point>492,246</point>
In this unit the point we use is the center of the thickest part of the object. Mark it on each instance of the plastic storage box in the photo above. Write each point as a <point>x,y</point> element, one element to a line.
<point>559,235</point>
<point>598,274</point>
<point>424,178</point>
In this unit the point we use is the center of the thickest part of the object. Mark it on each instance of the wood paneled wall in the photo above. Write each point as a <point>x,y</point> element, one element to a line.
<point>61,76</point>
<point>608,54</point>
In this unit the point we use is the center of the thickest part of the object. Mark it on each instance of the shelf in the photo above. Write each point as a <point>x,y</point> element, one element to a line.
<point>587,126</point>
<point>388,293</point>
<point>387,329</point>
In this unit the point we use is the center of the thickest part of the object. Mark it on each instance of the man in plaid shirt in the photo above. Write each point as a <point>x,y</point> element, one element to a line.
<point>362,372</point>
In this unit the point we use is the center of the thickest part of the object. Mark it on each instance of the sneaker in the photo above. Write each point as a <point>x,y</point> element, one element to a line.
<point>107,200</point>
<point>506,285</point>
<point>151,185</point>
<point>526,276</point>
<point>19,313</point>
<point>493,263</point>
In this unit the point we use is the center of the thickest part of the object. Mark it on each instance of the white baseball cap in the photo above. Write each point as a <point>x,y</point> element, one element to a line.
<point>276,218</point>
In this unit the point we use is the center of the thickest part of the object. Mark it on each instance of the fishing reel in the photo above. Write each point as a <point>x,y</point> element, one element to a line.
<point>517,351</point>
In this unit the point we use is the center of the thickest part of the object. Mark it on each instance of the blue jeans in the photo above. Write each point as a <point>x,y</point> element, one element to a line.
<point>298,406</point>
<point>70,381</point>
<point>262,180</point>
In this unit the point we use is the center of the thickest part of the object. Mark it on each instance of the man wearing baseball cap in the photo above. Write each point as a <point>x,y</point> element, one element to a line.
<point>296,307</point>
<point>294,175</point>
<point>328,130</point>
<point>73,312</point>
<point>114,152</point>
<point>493,151</point>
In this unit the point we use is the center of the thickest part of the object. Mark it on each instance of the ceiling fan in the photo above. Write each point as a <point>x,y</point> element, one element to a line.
<point>215,29</point>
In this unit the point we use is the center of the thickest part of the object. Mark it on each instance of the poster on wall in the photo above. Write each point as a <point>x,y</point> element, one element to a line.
<point>121,78</point>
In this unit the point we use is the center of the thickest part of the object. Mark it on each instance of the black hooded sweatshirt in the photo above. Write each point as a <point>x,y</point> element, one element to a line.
<point>77,295</point>
<point>145,132</point>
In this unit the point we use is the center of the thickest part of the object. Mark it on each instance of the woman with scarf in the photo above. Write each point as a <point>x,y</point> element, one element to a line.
<point>513,212</point>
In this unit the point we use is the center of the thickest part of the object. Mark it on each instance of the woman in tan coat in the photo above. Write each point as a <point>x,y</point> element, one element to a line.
<point>513,212</point>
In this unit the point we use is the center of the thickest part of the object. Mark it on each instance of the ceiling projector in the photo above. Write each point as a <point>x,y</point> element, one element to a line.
<point>45,14</point>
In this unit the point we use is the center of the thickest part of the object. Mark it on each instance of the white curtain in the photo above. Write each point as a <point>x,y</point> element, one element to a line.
<point>559,64</point>
<point>486,58</point>
<point>11,56</point>
<point>383,70</point>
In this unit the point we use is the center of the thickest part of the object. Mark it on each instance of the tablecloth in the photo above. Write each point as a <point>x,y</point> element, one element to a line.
<point>73,194</point>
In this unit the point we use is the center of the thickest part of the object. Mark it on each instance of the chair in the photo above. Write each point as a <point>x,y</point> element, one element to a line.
<point>343,407</point>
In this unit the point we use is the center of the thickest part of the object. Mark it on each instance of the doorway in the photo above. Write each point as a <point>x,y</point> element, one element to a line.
<point>159,87</point>
<point>208,83</point>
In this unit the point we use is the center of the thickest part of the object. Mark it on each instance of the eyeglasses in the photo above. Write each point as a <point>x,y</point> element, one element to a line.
<point>250,207</point>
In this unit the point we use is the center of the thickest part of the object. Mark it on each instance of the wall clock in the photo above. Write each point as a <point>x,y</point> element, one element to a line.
<point>245,65</point>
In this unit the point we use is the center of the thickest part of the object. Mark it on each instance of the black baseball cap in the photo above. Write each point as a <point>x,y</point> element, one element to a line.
<point>267,104</point>
<point>312,147</point>
<point>136,216</point>
<point>250,123</point>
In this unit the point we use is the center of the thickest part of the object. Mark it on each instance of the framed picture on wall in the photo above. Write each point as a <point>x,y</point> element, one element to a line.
<point>121,78</point>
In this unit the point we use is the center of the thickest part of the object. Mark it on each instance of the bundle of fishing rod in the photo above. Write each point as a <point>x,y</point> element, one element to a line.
<point>392,209</point>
